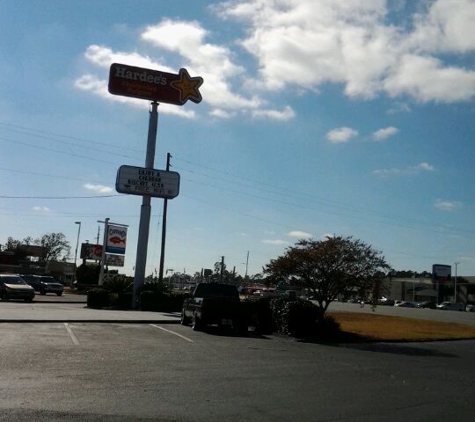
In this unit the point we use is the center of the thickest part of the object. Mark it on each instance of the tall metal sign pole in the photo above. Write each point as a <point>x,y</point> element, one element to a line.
<point>164,229</point>
<point>145,211</point>
<point>155,86</point>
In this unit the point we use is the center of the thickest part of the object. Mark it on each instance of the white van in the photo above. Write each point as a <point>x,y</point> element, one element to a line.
<point>451,306</point>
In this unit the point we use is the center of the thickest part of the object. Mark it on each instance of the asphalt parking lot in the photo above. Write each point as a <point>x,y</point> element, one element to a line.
<point>60,360</point>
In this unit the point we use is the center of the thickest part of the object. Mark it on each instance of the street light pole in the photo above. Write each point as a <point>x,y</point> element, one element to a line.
<point>77,245</point>
<point>455,283</point>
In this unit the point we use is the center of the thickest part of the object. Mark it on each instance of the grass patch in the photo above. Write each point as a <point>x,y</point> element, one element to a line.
<point>389,328</point>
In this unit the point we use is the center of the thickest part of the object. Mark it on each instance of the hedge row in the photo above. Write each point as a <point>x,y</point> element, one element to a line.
<point>149,300</point>
<point>296,318</point>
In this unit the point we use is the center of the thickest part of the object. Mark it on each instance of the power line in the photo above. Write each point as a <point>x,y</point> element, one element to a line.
<point>8,126</point>
<point>68,153</point>
<point>44,174</point>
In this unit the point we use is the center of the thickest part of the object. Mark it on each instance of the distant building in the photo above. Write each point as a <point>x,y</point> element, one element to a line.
<point>423,289</point>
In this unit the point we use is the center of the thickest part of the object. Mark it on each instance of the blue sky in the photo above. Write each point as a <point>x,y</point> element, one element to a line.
<point>318,117</point>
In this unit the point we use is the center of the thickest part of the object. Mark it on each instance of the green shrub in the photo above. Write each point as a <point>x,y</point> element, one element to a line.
<point>88,274</point>
<point>299,318</point>
<point>161,302</point>
<point>154,286</point>
<point>278,309</point>
<point>296,318</point>
<point>98,298</point>
<point>260,314</point>
<point>117,283</point>
<point>149,300</point>
<point>327,328</point>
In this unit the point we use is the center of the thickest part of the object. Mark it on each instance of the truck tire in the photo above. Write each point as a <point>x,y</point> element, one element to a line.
<point>184,319</point>
<point>240,327</point>
<point>196,323</point>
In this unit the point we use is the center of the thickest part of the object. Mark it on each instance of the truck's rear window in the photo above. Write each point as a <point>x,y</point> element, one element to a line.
<point>216,290</point>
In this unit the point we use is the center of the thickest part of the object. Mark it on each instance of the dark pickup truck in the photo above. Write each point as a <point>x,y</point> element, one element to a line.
<point>214,304</point>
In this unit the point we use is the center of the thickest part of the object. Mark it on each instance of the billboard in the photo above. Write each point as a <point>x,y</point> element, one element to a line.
<point>441,273</point>
<point>91,251</point>
<point>116,239</point>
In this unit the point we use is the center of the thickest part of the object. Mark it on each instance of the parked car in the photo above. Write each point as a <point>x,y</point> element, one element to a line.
<point>451,306</point>
<point>44,284</point>
<point>470,307</point>
<point>214,303</point>
<point>426,305</point>
<point>12,286</point>
<point>50,285</point>
<point>404,304</point>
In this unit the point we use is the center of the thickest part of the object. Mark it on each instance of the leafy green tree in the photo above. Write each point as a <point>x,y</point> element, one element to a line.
<point>55,245</point>
<point>330,267</point>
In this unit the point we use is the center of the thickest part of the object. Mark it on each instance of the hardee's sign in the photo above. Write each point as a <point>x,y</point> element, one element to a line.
<point>154,85</point>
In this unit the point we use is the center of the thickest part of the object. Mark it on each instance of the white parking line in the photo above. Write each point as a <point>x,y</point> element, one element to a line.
<point>173,332</point>
<point>71,334</point>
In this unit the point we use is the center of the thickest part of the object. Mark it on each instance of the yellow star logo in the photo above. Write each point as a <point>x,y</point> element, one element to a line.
<point>188,87</point>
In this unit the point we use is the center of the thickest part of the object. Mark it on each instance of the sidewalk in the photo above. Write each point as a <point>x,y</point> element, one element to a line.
<point>65,311</point>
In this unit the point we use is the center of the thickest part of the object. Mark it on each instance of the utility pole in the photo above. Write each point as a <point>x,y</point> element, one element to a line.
<point>98,234</point>
<point>222,270</point>
<point>247,263</point>
<point>164,229</point>
<point>455,283</point>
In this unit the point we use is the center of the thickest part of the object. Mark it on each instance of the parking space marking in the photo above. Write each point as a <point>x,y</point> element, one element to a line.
<point>172,332</point>
<point>71,334</point>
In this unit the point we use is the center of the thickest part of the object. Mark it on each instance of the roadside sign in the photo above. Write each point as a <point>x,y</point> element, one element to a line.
<point>113,260</point>
<point>151,182</point>
<point>116,239</point>
<point>91,251</point>
<point>154,85</point>
<point>441,272</point>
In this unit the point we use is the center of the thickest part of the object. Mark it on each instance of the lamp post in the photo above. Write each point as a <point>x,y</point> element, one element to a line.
<point>455,282</point>
<point>77,245</point>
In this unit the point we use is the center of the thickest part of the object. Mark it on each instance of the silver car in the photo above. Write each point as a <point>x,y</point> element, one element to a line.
<point>12,286</point>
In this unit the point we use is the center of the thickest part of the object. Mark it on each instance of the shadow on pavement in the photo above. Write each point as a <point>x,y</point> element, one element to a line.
<point>398,349</point>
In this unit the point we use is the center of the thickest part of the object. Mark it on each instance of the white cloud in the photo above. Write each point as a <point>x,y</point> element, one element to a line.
<point>384,133</point>
<point>399,107</point>
<point>98,188</point>
<point>341,135</point>
<point>299,234</point>
<point>275,242</point>
<point>405,171</point>
<point>387,172</point>
<point>427,79</point>
<point>447,205</point>
<point>285,114</point>
<point>40,209</point>
<point>301,45</point>
<point>222,114</point>
<point>424,167</point>
<point>447,26</point>
<point>307,43</point>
